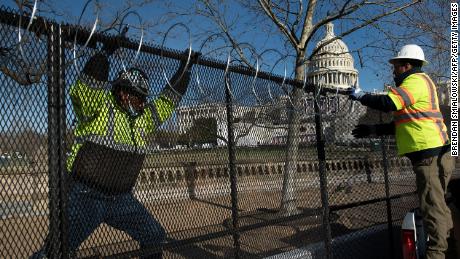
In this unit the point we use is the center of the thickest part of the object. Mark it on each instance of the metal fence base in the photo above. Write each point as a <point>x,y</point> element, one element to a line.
<point>358,244</point>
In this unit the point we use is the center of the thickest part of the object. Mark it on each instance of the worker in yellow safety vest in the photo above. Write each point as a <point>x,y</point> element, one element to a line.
<point>421,135</point>
<point>112,121</point>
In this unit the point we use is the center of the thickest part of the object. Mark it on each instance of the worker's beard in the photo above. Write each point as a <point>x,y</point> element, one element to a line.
<point>127,107</point>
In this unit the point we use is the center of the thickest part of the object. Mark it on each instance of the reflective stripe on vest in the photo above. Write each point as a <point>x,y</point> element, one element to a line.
<point>417,115</point>
<point>109,139</point>
<point>435,106</point>
<point>405,97</point>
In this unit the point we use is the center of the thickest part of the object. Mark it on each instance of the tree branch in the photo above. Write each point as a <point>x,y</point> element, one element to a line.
<point>343,12</point>
<point>216,17</point>
<point>282,27</point>
<point>364,24</point>
<point>307,24</point>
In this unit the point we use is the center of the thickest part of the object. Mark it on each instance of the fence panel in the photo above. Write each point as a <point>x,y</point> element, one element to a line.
<point>215,173</point>
<point>362,196</point>
<point>24,139</point>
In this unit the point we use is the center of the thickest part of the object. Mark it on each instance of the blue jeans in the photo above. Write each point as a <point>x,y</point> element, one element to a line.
<point>88,208</point>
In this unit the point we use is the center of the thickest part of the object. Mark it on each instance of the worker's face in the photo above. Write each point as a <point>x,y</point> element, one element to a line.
<point>134,101</point>
<point>399,68</point>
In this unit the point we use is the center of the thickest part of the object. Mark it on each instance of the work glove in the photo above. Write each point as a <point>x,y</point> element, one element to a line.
<point>362,131</point>
<point>113,44</point>
<point>355,94</point>
<point>97,67</point>
<point>194,56</point>
<point>180,80</point>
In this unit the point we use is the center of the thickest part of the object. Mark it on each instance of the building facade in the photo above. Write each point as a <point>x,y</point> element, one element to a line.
<point>267,124</point>
<point>332,65</point>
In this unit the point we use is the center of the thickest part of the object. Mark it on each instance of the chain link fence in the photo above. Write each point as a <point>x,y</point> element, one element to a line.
<point>238,167</point>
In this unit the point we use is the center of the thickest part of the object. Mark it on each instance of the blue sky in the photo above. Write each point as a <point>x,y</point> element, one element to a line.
<point>371,75</point>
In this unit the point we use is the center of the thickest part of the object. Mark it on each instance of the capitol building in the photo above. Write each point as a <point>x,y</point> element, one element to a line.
<point>333,65</point>
<point>267,124</point>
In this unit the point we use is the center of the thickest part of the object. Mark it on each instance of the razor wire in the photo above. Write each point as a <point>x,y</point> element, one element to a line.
<point>253,80</point>
<point>262,94</point>
<point>123,30</point>
<point>93,30</point>
<point>203,92</point>
<point>32,16</point>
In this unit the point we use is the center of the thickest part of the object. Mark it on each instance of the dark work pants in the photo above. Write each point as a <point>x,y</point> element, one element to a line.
<point>432,176</point>
<point>88,208</point>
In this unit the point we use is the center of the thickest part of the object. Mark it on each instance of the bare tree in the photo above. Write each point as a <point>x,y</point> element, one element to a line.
<point>426,24</point>
<point>430,22</point>
<point>294,24</point>
<point>15,60</point>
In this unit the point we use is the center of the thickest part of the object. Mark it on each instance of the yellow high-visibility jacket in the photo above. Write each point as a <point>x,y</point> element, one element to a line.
<point>418,120</point>
<point>114,141</point>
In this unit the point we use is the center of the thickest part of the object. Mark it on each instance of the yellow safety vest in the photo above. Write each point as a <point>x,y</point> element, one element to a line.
<point>100,120</point>
<point>419,122</point>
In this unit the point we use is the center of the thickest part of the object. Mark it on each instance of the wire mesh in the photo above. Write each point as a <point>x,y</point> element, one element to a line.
<point>159,180</point>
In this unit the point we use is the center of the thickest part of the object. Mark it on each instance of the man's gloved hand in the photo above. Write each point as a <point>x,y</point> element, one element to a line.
<point>194,56</point>
<point>181,78</point>
<point>362,131</point>
<point>114,43</point>
<point>355,94</point>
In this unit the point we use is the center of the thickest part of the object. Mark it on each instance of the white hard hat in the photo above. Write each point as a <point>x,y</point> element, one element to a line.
<point>410,51</point>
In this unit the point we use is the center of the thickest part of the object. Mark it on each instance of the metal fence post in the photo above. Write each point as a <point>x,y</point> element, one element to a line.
<point>231,166</point>
<point>387,193</point>
<point>56,158</point>
<point>320,147</point>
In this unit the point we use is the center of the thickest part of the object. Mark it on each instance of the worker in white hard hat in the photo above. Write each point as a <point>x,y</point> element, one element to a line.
<point>421,135</point>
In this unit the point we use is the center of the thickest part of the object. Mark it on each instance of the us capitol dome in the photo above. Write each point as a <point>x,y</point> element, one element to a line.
<point>332,66</point>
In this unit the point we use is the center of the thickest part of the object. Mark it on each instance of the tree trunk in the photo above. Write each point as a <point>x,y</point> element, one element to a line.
<point>288,199</point>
